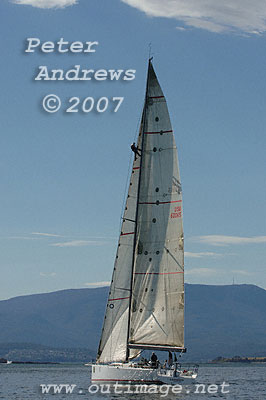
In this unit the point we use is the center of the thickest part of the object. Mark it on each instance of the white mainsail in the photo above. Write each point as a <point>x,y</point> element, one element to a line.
<point>145,308</point>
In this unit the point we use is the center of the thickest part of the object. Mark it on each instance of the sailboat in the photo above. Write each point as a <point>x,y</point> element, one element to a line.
<point>145,307</point>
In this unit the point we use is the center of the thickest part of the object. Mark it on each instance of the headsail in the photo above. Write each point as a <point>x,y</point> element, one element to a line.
<point>148,312</point>
<point>113,344</point>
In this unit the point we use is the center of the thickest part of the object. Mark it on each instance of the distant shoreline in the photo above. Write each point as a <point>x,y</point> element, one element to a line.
<point>240,359</point>
<point>3,361</point>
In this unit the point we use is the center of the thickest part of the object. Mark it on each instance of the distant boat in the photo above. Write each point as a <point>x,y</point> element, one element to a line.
<point>8,362</point>
<point>145,308</point>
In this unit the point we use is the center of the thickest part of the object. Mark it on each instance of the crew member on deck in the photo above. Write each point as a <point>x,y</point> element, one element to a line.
<point>154,360</point>
<point>135,150</point>
<point>170,359</point>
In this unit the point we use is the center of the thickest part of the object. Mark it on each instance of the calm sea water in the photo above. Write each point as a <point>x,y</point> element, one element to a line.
<point>21,382</point>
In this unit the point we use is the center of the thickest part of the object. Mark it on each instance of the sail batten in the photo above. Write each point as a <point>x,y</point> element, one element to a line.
<point>145,308</point>
<point>157,347</point>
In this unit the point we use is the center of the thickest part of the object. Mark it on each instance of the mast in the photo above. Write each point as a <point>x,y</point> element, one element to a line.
<point>137,207</point>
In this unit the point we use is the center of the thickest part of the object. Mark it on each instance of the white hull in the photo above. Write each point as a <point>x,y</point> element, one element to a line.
<point>130,373</point>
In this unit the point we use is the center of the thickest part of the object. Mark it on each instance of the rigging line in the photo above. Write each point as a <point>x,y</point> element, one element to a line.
<point>173,257</point>
<point>158,323</point>
<point>130,220</point>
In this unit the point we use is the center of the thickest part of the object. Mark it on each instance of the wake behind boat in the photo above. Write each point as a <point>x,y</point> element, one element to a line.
<point>145,308</point>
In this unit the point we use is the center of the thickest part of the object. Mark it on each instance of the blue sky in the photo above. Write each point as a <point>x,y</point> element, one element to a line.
<point>63,177</point>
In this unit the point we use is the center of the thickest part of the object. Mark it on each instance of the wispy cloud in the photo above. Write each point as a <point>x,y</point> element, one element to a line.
<point>51,239</point>
<point>213,15</point>
<point>221,240</point>
<point>45,234</point>
<point>48,275</point>
<point>79,243</point>
<point>34,236</point>
<point>98,284</point>
<point>46,3</point>
<point>21,238</point>
<point>189,254</point>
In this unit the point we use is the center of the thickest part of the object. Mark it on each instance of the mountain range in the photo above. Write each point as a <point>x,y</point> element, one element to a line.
<point>219,320</point>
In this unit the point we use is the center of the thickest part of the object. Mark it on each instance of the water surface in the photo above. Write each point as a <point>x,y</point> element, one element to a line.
<point>22,382</point>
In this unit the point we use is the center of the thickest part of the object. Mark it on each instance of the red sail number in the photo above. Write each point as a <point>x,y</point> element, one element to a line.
<point>177,212</point>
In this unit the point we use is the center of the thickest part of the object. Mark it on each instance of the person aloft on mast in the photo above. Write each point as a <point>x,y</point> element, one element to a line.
<point>135,150</point>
